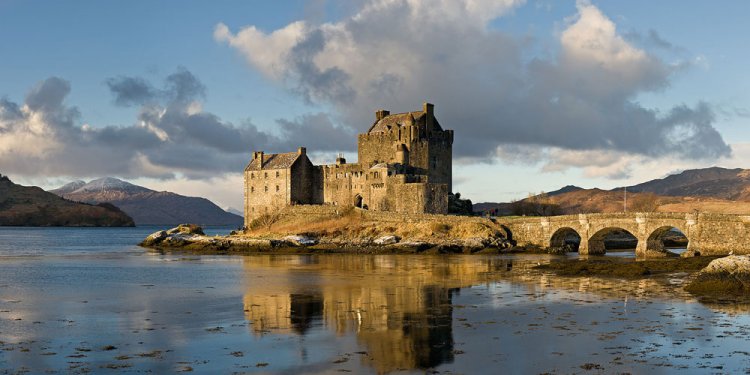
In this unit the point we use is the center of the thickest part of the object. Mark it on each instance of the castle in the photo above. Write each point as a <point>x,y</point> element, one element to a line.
<point>404,165</point>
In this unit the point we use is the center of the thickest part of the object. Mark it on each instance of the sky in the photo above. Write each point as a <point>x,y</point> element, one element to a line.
<point>176,95</point>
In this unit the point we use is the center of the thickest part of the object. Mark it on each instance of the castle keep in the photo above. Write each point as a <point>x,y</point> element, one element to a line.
<point>404,165</point>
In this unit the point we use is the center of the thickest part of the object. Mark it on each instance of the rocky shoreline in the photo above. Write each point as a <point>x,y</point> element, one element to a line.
<point>191,238</point>
<point>708,276</point>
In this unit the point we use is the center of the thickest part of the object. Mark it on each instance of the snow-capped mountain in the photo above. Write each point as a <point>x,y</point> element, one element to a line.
<point>146,206</point>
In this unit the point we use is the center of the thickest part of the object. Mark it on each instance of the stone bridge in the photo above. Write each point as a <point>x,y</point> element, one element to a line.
<point>711,234</point>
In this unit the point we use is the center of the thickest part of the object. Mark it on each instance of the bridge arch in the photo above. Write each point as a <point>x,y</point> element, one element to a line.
<point>596,243</point>
<point>565,238</point>
<point>657,237</point>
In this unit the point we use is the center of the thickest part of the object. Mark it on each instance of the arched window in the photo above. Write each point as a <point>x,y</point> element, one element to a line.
<point>252,189</point>
<point>277,187</point>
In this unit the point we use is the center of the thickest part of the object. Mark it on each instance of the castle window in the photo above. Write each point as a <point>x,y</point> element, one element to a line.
<point>277,173</point>
<point>266,188</point>
<point>252,175</point>
<point>277,187</point>
<point>252,189</point>
<point>265,174</point>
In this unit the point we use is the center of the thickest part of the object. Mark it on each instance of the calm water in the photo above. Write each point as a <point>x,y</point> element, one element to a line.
<point>88,300</point>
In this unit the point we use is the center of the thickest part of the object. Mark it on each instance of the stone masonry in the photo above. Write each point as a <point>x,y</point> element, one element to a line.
<point>710,234</point>
<point>405,166</point>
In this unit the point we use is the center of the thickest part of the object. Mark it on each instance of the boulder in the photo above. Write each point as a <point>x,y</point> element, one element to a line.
<point>730,274</point>
<point>690,253</point>
<point>154,238</point>
<point>298,240</point>
<point>187,229</point>
<point>387,240</point>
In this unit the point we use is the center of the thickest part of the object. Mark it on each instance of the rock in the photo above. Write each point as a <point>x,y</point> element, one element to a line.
<point>733,264</point>
<point>690,253</point>
<point>558,250</point>
<point>730,274</point>
<point>187,229</point>
<point>154,238</point>
<point>298,240</point>
<point>387,240</point>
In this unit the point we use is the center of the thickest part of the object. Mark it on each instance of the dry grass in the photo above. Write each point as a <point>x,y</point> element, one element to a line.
<point>351,224</point>
<point>708,205</point>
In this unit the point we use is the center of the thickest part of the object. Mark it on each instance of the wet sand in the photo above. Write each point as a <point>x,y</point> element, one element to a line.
<point>128,310</point>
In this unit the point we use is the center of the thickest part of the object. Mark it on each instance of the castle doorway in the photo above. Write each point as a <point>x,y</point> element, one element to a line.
<point>358,201</point>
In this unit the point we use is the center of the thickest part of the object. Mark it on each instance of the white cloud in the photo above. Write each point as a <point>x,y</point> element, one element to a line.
<point>395,53</point>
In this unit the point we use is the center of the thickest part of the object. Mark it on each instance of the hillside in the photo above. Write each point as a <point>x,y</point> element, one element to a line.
<point>146,206</point>
<point>708,190</point>
<point>715,182</point>
<point>32,206</point>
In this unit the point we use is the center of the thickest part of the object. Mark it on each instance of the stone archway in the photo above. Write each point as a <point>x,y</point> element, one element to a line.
<point>597,244</point>
<point>565,239</point>
<point>656,243</point>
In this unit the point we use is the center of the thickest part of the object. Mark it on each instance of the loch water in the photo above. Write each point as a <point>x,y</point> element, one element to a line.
<point>80,300</point>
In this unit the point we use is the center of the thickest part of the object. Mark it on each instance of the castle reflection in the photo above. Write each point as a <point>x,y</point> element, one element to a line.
<point>399,307</point>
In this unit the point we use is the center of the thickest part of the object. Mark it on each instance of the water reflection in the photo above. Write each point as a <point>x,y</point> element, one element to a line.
<point>399,308</point>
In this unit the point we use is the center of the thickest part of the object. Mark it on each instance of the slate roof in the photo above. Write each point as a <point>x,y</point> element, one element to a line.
<point>274,161</point>
<point>400,119</point>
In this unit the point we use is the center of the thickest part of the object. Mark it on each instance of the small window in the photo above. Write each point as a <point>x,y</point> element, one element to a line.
<point>266,188</point>
<point>277,187</point>
<point>277,173</point>
<point>252,175</point>
<point>265,174</point>
<point>252,189</point>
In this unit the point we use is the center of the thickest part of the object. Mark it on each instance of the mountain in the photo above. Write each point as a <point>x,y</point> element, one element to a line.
<point>564,189</point>
<point>146,206</point>
<point>716,182</point>
<point>32,206</point>
<point>235,211</point>
<point>712,189</point>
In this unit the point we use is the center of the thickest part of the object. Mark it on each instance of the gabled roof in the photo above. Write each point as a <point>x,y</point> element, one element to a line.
<point>399,119</point>
<point>274,161</point>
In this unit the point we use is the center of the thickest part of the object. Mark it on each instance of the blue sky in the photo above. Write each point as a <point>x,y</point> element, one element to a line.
<point>693,52</point>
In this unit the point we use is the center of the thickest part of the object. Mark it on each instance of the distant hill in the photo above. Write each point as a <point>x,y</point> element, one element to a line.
<point>235,211</point>
<point>32,206</point>
<point>146,206</point>
<point>708,190</point>
<point>716,182</point>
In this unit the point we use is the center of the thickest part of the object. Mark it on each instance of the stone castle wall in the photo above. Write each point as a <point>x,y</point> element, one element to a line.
<point>404,166</point>
<point>266,191</point>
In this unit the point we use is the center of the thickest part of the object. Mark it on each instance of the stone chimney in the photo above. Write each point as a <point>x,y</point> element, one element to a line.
<point>302,151</point>
<point>260,156</point>
<point>428,108</point>
<point>381,113</point>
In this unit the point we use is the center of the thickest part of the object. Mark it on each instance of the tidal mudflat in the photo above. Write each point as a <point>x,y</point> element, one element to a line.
<point>87,300</point>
